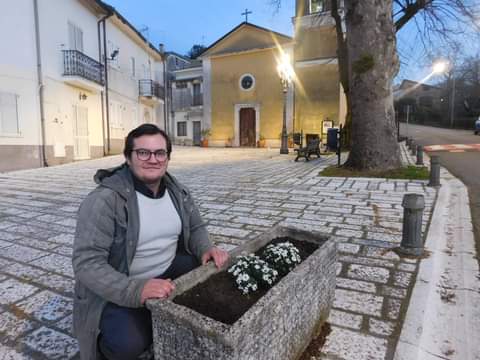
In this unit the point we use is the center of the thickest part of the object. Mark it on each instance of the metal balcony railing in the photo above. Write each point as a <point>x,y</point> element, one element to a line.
<point>76,63</point>
<point>150,88</point>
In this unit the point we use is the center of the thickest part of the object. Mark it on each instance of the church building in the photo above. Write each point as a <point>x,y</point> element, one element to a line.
<point>243,98</point>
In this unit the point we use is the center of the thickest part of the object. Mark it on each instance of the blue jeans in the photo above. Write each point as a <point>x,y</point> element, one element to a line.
<point>125,333</point>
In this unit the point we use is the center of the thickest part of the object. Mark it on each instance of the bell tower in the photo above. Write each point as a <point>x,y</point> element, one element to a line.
<point>317,92</point>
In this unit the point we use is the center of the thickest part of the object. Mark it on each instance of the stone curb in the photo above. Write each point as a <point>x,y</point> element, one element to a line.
<point>443,318</point>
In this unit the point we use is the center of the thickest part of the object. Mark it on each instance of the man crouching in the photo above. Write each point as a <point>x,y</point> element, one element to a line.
<point>136,232</point>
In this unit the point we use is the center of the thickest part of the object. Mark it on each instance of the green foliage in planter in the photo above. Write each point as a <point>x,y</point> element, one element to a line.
<point>206,133</point>
<point>282,257</point>
<point>250,272</point>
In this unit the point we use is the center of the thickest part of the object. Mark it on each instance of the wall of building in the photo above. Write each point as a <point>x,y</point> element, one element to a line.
<point>63,99</point>
<point>320,99</point>
<point>318,95</point>
<point>126,112</point>
<point>315,43</point>
<point>267,95</point>
<point>18,72</point>
<point>18,77</point>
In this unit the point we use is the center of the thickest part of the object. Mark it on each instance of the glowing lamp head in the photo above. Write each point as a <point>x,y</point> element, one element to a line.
<point>284,68</point>
<point>440,67</point>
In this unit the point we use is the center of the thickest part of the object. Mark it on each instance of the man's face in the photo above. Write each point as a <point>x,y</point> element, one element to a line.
<point>149,171</point>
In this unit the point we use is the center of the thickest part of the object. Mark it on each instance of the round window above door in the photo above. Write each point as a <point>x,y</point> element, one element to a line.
<point>247,82</point>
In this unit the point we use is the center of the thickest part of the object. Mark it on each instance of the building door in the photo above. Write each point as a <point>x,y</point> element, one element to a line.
<point>196,133</point>
<point>81,145</point>
<point>247,127</point>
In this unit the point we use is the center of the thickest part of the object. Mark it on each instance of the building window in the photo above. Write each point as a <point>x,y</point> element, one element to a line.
<point>118,114</point>
<point>9,113</point>
<point>182,128</point>
<point>132,66</point>
<point>181,84</point>
<point>247,82</point>
<point>75,37</point>
<point>317,6</point>
<point>426,101</point>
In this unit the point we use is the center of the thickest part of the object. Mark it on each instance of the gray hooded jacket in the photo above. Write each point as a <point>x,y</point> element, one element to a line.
<point>105,242</point>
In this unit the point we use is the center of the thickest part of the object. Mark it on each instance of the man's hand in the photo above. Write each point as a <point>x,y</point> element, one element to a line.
<point>157,288</point>
<point>219,256</point>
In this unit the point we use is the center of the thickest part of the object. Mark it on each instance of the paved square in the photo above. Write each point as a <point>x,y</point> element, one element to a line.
<point>240,193</point>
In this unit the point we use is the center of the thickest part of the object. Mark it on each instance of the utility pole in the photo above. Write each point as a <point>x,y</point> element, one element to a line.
<point>408,113</point>
<point>452,102</point>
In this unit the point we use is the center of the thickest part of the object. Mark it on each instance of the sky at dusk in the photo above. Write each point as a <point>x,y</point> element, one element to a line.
<point>181,24</point>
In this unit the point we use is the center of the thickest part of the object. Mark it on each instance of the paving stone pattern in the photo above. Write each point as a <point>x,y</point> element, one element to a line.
<point>241,193</point>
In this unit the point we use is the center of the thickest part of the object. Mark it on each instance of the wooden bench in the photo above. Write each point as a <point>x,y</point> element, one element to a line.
<point>313,147</point>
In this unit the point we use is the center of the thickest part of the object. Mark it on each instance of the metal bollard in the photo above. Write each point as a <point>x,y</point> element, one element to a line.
<point>419,155</point>
<point>434,171</point>
<point>412,243</point>
<point>413,148</point>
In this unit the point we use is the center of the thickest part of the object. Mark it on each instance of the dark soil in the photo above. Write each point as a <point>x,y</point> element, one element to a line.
<point>218,297</point>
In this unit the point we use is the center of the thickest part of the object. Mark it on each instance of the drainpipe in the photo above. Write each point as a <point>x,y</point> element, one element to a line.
<point>43,156</point>
<point>165,84</point>
<point>102,93</point>
<point>107,107</point>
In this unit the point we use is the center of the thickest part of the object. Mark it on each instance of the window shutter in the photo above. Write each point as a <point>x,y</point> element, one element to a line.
<point>79,39</point>
<point>8,114</point>
<point>71,36</point>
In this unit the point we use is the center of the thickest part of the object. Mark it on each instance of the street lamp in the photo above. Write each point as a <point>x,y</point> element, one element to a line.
<point>285,72</point>
<point>441,67</point>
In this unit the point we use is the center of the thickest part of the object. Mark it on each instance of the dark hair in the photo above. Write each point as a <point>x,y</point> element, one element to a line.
<point>144,129</point>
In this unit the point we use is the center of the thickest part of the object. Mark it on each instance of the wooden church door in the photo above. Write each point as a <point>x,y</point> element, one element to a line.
<point>247,127</point>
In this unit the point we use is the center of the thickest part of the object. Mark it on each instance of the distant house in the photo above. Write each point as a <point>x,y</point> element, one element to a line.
<point>185,98</point>
<point>187,103</point>
<point>75,77</point>
<point>424,103</point>
<point>173,62</point>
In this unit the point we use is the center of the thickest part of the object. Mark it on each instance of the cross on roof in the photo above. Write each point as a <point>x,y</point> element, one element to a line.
<point>246,14</point>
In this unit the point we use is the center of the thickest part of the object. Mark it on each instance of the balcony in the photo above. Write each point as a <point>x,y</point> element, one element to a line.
<point>82,71</point>
<point>184,100</point>
<point>150,92</point>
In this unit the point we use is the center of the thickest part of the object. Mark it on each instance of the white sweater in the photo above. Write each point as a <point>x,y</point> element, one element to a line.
<point>160,226</point>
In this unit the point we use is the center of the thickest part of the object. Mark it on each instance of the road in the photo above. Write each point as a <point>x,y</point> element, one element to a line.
<point>464,164</point>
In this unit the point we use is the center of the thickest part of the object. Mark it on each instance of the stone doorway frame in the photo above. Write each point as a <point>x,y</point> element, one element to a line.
<point>236,127</point>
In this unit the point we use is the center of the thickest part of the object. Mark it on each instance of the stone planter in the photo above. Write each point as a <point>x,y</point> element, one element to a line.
<point>279,326</point>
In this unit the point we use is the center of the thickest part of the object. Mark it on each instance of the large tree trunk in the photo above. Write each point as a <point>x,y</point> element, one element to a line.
<point>373,63</point>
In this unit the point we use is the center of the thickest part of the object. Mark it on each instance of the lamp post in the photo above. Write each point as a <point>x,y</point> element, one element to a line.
<point>441,67</point>
<point>285,72</point>
<point>452,101</point>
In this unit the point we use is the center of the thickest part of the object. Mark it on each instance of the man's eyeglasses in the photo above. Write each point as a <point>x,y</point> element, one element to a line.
<point>144,154</point>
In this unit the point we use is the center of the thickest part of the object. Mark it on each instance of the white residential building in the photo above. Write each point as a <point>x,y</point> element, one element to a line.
<point>53,85</point>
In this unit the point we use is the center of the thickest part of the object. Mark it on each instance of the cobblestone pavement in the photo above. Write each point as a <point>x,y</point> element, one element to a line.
<point>241,193</point>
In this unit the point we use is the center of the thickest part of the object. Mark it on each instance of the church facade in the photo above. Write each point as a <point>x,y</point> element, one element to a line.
<point>243,97</point>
